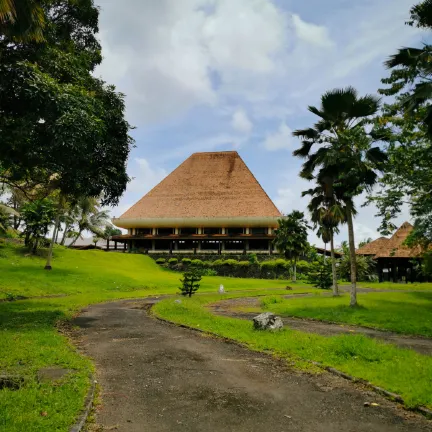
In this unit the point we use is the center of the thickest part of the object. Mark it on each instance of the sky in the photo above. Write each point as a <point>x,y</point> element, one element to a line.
<point>213,75</point>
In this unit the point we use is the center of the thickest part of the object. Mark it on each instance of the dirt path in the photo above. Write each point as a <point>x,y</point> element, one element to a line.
<point>227,308</point>
<point>158,377</point>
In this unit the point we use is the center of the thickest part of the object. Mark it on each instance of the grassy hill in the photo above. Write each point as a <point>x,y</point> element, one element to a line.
<point>29,339</point>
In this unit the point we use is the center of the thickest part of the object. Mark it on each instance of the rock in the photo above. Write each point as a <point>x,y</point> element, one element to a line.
<point>288,288</point>
<point>267,321</point>
<point>50,374</point>
<point>177,301</point>
<point>221,289</point>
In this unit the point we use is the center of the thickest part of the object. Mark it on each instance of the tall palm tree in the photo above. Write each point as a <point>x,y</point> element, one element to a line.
<point>327,213</point>
<point>22,20</point>
<point>339,153</point>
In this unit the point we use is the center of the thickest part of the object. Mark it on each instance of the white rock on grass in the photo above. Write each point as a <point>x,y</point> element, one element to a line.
<point>267,321</point>
<point>221,289</point>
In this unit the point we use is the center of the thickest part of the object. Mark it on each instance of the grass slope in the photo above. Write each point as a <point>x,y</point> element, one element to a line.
<point>401,312</point>
<point>416,286</point>
<point>398,370</point>
<point>29,339</point>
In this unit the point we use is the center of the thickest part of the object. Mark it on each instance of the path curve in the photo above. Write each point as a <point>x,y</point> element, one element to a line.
<point>227,308</point>
<point>156,376</point>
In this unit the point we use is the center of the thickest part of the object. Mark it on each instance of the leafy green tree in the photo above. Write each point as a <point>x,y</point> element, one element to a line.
<point>59,123</point>
<point>190,283</point>
<point>111,231</point>
<point>406,124</point>
<point>339,153</point>
<point>291,238</point>
<point>327,212</point>
<point>38,217</point>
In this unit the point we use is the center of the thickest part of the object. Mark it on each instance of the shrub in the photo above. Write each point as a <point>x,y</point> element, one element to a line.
<point>173,261</point>
<point>281,264</point>
<point>218,262</point>
<point>208,272</point>
<point>186,261</point>
<point>190,283</point>
<point>197,263</point>
<point>304,267</point>
<point>207,264</point>
<point>267,301</point>
<point>244,264</point>
<point>230,262</point>
<point>161,261</point>
<point>321,275</point>
<point>253,259</point>
<point>268,265</point>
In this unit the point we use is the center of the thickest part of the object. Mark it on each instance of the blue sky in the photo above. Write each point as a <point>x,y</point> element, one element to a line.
<point>209,75</point>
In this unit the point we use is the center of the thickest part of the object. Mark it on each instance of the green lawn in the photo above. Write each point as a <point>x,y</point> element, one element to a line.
<point>417,286</point>
<point>28,336</point>
<point>398,370</point>
<point>401,312</point>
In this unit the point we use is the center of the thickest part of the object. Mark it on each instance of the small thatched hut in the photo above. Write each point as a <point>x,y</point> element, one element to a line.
<point>394,258</point>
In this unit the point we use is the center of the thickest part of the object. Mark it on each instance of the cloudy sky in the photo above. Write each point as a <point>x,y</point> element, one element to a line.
<point>209,75</point>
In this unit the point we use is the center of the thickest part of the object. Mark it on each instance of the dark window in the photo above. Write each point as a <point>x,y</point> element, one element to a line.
<point>187,231</point>
<point>212,231</point>
<point>143,231</point>
<point>235,230</point>
<point>259,230</point>
<point>165,231</point>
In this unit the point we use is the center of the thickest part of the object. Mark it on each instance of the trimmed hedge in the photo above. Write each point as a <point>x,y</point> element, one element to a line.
<point>161,261</point>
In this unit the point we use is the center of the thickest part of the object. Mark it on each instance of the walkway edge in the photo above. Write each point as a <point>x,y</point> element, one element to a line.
<point>78,426</point>
<point>389,395</point>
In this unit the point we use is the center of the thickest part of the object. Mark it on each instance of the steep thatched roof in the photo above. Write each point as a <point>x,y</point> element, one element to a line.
<point>206,185</point>
<point>392,247</point>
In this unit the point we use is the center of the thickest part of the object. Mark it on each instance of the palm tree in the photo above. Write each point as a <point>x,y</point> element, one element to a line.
<point>327,212</point>
<point>22,20</point>
<point>90,217</point>
<point>344,157</point>
<point>291,238</point>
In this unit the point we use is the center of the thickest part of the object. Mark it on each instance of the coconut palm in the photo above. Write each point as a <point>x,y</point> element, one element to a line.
<point>339,153</point>
<point>327,213</point>
<point>22,20</point>
<point>90,217</point>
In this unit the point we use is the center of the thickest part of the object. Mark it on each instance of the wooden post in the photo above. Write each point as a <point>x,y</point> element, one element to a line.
<point>393,269</point>
<point>380,270</point>
<point>115,245</point>
<point>219,248</point>
<point>107,247</point>
<point>124,247</point>
<point>170,247</point>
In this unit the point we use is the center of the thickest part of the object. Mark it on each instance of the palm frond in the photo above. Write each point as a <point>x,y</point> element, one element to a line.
<point>309,133</point>
<point>304,150</point>
<point>364,107</point>
<point>404,57</point>
<point>337,102</point>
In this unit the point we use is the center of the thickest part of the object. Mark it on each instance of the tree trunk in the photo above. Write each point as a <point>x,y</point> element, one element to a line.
<point>294,278</point>
<point>353,300</point>
<point>325,251</point>
<point>54,236</point>
<point>333,261</point>
<point>76,238</point>
<point>65,232</point>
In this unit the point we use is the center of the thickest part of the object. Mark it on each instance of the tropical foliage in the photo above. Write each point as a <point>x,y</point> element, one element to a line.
<point>339,153</point>
<point>291,238</point>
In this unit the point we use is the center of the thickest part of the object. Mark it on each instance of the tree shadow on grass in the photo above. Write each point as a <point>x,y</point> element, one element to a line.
<point>26,316</point>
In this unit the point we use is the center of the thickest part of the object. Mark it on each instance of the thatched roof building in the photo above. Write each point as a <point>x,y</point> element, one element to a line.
<point>393,257</point>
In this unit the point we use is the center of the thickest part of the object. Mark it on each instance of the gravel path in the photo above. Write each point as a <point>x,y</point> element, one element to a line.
<point>158,377</point>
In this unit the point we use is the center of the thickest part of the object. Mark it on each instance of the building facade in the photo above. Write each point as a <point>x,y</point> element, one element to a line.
<point>211,203</point>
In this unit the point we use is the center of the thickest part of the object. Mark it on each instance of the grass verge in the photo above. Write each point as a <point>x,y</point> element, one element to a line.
<point>397,370</point>
<point>401,312</point>
<point>29,339</point>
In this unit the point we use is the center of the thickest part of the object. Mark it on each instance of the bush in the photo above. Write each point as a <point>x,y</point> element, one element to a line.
<point>207,272</point>
<point>230,262</point>
<point>218,263</point>
<point>186,261</point>
<point>197,263</point>
<point>207,264</point>
<point>161,261</point>
<point>267,301</point>
<point>173,261</point>
<point>268,265</point>
<point>243,264</point>
<point>253,259</point>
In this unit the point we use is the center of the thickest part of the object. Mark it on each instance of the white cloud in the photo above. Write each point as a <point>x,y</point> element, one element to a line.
<point>279,140</point>
<point>311,33</point>
<point>146,176</point>
<point>240,122</point>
